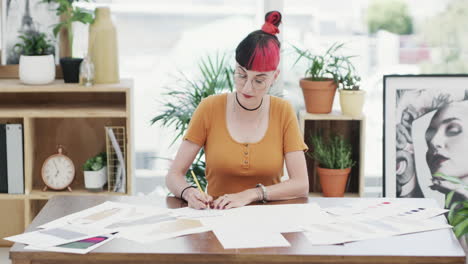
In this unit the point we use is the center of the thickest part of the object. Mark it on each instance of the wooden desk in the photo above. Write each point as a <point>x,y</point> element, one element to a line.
<point>438,246</point>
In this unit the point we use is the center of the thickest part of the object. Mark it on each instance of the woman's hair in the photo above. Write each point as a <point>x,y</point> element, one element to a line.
<point>260,50</point>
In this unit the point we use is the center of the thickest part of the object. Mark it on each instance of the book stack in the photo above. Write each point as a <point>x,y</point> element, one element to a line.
<point>11,159</point>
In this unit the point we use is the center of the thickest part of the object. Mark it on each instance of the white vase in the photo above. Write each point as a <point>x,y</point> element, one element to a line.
<point>352,102</point>
<point>37,70</point>
<point>95,180</point>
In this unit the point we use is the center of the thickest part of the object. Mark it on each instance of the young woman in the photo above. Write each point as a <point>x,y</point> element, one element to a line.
<point>247,135</point>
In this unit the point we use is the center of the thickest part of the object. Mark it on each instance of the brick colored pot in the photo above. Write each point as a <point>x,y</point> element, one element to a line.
<point>318,95</point>
<point>333,181</point>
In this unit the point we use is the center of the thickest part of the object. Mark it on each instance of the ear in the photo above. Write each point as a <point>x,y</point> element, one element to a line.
<point>275,76</point>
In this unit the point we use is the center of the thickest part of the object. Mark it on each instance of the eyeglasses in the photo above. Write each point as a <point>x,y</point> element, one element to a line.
<point>257,84</point>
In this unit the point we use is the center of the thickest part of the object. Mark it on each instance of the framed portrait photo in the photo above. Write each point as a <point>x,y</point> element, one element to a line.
<point>425,136</point>
<point>25,17</point>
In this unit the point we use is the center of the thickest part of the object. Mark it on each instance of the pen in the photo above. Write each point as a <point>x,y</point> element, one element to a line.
<point>198,184</point>
<point>196,181</point>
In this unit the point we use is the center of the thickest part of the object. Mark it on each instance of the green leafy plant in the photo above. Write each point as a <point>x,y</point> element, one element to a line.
<point>180,103</point>
<point>326,66</point>
<point>351,81</point>
<point>95,163</point>
<point>69,14</point>
<point>332,153</point>
<point>34,44</point>
<point>458,211</point>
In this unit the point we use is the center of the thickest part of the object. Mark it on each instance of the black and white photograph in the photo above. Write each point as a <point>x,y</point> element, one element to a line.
<point>425,142</point>
<point>25,17</point>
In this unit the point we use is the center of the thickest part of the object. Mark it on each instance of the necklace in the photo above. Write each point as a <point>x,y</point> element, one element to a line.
<point>248,109</point>
<point>257,123</point>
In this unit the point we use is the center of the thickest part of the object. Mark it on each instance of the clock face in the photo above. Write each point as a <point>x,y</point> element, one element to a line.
<point>58,172</point>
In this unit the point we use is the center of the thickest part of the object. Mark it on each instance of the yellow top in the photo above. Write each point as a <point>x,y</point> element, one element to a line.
<point>233,166</point>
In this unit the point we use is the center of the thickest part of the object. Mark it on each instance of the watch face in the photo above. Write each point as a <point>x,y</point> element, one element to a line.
<point>58,172</point>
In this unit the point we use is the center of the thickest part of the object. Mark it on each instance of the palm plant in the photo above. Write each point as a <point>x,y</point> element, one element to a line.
<point>179,104</point>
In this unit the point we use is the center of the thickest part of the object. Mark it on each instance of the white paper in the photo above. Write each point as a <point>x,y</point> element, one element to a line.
<point>65,248</point>
<point>270,218</point>
<point>56,236</point>
<point>241,238</point>
<point>120,174</point>
<point>188,212</point>
<point>381,209</point>
<point>109,215</point>
<point>367,228</point>
<point>163,230</point>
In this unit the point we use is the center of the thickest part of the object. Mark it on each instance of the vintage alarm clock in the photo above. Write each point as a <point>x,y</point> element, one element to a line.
<point>58,171</point>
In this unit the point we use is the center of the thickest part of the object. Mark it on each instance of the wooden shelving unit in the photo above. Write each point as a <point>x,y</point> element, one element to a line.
<point>353,130</point>
<point>67,114</point>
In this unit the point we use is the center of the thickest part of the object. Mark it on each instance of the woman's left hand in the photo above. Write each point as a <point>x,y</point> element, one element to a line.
<point>234,200</point>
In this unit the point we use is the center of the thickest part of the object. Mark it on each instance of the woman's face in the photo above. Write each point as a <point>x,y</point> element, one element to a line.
<point>251,86</point>
<point>447,140</point>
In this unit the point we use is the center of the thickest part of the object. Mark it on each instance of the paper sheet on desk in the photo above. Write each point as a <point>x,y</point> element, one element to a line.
<point>362,228</point>
<point>163,230</point>
<point>242,238</point>
<point>188,212</point>
<point>111,215</point>
<point>270,218</point>
<point>45,238</point>
<point>382,209</point>
<point>78,247</point>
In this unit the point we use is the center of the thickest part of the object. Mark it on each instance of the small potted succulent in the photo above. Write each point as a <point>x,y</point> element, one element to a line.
<point>95,172</point>
<point>351,96</point>
<point>36,64</point>
<point>69,14</point>
<point>322,77</point>
<point>334,158</point>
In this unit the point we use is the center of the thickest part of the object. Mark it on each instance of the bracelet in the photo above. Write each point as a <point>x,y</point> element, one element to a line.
<point>259,192</point>
<point>264,192</point>
<point>182,193</point>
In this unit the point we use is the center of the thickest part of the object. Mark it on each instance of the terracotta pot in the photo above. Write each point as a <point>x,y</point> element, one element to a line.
<point>333,181</point>
<point>318,95</point>
<point>351,102</point>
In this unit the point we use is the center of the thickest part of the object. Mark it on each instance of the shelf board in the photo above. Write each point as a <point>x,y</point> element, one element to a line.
<point>62,111</point>
<point>15,86</point>
<point>347,195</point>
<point>37,194</point>
<point>334,115</point>
<point>6,196</point>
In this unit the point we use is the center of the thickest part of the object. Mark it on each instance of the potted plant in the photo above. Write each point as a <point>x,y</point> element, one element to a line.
<point>36,64</point>
<point>458,211</point>
<point>351,96</point>
<point>69,14</point>
<point>322,77</point>
<point>335,162</point>
<point>95,172</point>
<point>180,103</point>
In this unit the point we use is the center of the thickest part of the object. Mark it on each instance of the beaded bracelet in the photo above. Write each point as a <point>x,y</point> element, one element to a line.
<point>182,193</point>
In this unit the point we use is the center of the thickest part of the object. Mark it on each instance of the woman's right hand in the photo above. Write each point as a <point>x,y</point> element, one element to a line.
<point>197,199</point>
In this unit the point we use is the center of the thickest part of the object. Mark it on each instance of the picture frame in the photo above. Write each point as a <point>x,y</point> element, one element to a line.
<point>23,16</point>
<point>418,142</point>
